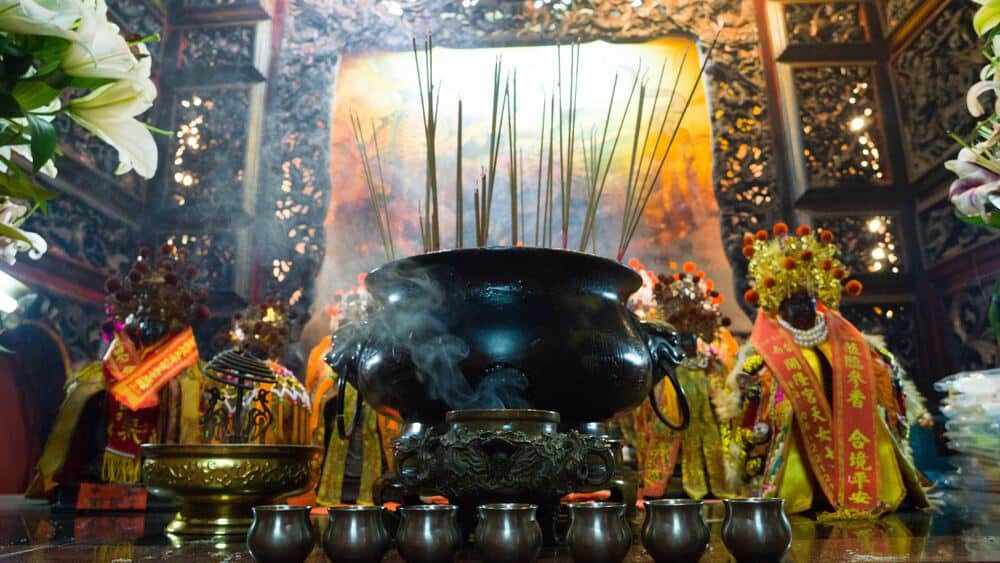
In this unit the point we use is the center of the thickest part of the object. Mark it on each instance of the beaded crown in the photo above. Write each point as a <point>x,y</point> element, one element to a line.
<point>687,300</point>
<point>262,330</point>
<point>788,263</point>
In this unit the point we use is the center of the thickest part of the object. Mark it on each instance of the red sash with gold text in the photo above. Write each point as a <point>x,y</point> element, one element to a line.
<point>840,446</point>
<point>136,376</point>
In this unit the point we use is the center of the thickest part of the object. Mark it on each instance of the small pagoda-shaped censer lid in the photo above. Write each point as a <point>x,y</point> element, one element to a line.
<point>239,410</point>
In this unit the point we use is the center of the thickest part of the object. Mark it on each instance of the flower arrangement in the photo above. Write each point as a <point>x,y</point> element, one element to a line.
<point>65,57</point>
<point>976,192</point>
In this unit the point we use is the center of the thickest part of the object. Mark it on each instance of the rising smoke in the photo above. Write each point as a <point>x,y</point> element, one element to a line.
<point>415,321</point>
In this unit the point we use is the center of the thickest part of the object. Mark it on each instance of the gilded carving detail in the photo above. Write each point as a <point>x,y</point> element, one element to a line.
<point>824,23</point>
<point>931,77</point>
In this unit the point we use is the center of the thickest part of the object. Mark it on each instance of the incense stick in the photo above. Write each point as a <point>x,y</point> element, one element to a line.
<point>634,212</point>
<point>538,193</point>
<point>376,197</point>
<point>459,225</point>
<point>429,114</point>
<point>512,164</point>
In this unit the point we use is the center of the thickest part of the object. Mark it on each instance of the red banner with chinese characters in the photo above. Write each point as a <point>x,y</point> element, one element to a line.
<point>136,376</point>
<point>840,445</point>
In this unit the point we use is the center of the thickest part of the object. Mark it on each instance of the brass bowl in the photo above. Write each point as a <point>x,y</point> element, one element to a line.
<point>217,485</point>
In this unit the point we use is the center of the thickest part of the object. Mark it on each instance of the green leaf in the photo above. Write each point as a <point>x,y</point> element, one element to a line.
<point>9,106</point>
<point>50,52</point>
<point>993,314</point>
<point>11,134</point>
<point>12,233</point>
<point>993,222</point>
<point>90,83</point>
<point>43,141</point>
<point>16,183</point>
<point>14,66</point>
<point>34,93</point>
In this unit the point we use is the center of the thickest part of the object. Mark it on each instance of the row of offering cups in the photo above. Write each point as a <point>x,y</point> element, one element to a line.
<point>674,530</point>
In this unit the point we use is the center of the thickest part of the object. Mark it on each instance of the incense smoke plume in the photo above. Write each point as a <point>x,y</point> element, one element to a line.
<point>414,322</point>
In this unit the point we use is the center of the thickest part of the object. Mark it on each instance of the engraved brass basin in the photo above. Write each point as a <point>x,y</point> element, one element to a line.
<point>216,485</point>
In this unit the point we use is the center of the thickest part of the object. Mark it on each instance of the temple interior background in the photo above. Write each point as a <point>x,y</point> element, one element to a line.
<point>833,114</point>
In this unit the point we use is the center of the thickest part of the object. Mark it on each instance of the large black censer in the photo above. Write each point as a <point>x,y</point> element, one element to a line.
<point>505,328</point>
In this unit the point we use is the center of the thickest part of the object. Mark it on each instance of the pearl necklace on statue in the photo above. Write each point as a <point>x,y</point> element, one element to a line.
<point>807,338</point>
<point>698,362</point>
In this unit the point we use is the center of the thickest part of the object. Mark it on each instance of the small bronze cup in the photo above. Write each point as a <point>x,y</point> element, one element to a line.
<point>356,534</point>
<point>674,530</point>
<point>428,533</point>
<point>280,533</point>
<point>756,529</point>
<point>508,533</point>
<point>598,532</point>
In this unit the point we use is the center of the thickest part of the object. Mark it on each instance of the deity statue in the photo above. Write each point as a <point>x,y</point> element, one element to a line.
<point>689,302</point>
<point>820,413</point>
<point>147,389</point>
<point>363,454</point>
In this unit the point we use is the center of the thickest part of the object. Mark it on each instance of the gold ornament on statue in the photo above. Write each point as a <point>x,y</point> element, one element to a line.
<point>787,263</point>
<point>687,300</point>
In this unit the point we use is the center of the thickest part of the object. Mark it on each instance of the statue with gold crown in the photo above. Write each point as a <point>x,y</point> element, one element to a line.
<point>147,389</point>
<point>819,407</point>
<point>362,457</point>
<point>687,300</point>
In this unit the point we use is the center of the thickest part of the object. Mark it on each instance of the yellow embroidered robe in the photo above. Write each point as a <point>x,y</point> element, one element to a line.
<point>705,469</point>
<point>781,465</point>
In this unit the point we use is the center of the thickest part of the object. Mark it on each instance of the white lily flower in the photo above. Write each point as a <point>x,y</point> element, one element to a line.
<point>11,214</point>
<point>108,55</point>
<point>109,112</point>
<point>54,18</point>
<point>974,187</point>
<point>977,90</point>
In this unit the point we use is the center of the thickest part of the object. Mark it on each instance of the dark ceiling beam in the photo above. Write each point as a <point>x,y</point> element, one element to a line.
<point>228,14</point>
<point>852,198</point>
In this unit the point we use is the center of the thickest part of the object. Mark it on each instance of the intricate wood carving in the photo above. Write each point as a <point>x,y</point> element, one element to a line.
<point>839,113</point>
<point>867,240</point>
<point>931,77</point>
<point>943,235</point>
<point>824,23</point>
<point>970,341</point>
<point>229,46</point>
<point>80,231</point>
<point>897,10</point>
<point>893,322</point>
<point>206,160</point>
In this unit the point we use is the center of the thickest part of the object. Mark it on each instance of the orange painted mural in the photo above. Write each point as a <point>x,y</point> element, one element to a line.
<point>681,221</point>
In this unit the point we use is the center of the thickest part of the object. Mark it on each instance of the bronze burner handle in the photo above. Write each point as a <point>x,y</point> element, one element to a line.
<point>664,347</point>
<point>608,462</point>
<point>340,408</point>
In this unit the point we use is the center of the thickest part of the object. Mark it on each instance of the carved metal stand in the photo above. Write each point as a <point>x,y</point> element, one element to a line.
<point>477,461</point>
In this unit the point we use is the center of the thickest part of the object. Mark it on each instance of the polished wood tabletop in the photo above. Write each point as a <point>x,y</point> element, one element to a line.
<point>963,527</point>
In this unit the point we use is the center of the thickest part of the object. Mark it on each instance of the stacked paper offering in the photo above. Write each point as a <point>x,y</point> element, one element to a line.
<point>973,427</point>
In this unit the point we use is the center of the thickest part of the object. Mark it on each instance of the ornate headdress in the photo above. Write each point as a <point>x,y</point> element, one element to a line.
<point>261,330</point>
<point>154,293</point>
<point>786,264</point>
<point>685,298</point>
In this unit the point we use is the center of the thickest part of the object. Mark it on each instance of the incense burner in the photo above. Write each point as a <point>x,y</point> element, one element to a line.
<point>217,485</point>
<point>552,322</point>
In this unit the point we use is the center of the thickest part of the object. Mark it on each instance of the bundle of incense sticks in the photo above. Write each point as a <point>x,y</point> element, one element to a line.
<point>558,139</point>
